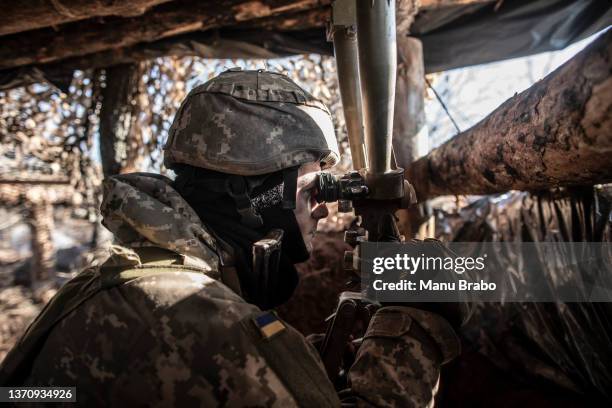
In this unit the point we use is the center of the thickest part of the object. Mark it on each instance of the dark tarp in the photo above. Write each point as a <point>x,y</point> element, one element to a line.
<point>452,37</point>
<point>517,28</point>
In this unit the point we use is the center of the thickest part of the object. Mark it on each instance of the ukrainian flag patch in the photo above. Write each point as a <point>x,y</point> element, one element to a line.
<point>269,325</point>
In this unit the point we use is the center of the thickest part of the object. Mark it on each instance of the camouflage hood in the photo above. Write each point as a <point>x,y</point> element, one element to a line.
<point>143,209</point>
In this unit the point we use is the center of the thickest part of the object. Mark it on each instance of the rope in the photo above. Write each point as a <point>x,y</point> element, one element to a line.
<point>443,105</point>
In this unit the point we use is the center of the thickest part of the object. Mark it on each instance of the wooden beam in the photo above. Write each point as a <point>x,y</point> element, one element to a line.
<point>18,16</point>
<point>142,23</point>
<point>34,14</point>
<point>167,20</point>
<point>405,12</point>
<point>15,194</point>
<point>303,20</point>
<point>230,44</point>
<point>409,124</point>
<point>409,116</point>
<point>556,133</point>
<point>116,116</point>
<point>200,43</point>
<point>42,179</point>
<point>40,220</point>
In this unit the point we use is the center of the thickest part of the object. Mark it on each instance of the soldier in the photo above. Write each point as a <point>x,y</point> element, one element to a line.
<point>180,313</point>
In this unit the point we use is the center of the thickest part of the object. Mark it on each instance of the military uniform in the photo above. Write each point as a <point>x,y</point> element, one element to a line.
<point>160,324</point>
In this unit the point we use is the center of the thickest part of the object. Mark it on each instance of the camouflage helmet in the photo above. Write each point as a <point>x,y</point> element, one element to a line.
<point>251,123</point>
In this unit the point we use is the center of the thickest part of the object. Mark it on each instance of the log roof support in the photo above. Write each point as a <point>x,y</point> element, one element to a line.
<point>167,20</point>
<point>117,116</point>
<point>556,133</point>
<point>18,16</point>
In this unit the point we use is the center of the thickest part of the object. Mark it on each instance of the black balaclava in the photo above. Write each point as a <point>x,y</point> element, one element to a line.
<point>206,192</point>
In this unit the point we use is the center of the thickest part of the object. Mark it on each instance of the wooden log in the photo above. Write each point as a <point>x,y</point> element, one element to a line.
<point>409,125</point>
<point>12,195</point>
<point>409,117</point>
<point>38,179</point>
<point>167,20</point>
<point>34,14</point>
<point>405,12</point>
<point>556,133</point>
<point>20,16</point>
<point>303,20</point>
<point>40,220</point>
<point>201,44</point>
<point>94,35</point>
<point>116,116</point>
<point>26,16</point>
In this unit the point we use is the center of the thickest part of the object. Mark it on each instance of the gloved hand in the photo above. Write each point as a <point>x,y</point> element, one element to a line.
<point>398,363</point>
<point>455,313</point>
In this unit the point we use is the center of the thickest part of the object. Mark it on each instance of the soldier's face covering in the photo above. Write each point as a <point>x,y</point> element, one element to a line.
<point>218,212</point>
<point>307,211</point>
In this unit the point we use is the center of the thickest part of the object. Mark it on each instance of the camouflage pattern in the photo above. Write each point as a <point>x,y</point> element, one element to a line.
<point>154,326</point>
<point>157,340</point>
<point>398,364</point>
<point>143,209</point>
<point>251,123</point>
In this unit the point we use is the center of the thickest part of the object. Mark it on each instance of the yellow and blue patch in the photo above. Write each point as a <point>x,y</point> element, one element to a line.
<point>269,325</point>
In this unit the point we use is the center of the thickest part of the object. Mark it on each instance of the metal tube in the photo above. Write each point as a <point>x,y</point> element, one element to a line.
<point>377,69</point>
<point>347,62</point>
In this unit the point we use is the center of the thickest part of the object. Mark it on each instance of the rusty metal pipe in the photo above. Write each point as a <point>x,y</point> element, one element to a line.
<point>377,70</point>
<point>347,62</point>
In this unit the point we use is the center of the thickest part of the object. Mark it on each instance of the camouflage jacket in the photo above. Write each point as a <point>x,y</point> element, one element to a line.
<point>154,325</point>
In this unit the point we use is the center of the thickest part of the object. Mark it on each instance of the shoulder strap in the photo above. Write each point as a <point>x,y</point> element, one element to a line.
<point>150,261</point>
